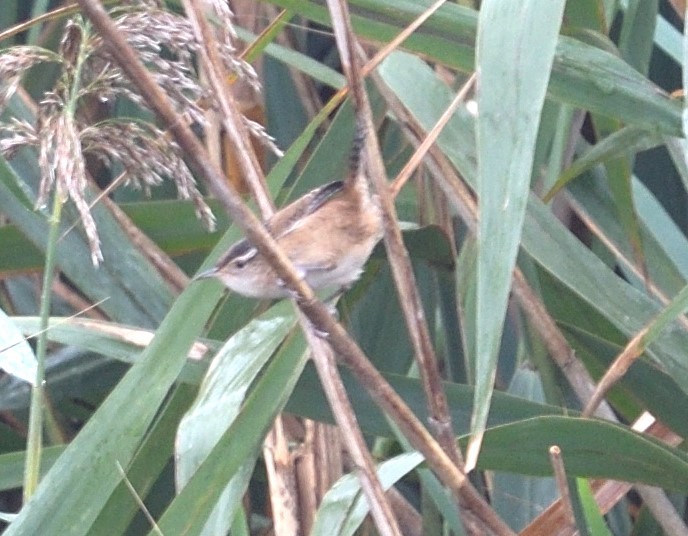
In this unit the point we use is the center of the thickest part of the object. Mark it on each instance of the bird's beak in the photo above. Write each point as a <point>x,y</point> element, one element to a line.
<point>205,274</point>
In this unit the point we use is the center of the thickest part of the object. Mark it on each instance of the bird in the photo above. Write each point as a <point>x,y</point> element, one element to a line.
<point>328,234</point>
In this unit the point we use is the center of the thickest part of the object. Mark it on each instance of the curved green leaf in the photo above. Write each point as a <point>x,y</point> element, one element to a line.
<point>591,449</point>
<point>222,392</point>
<point>344,506</point>
<point>189,511</point>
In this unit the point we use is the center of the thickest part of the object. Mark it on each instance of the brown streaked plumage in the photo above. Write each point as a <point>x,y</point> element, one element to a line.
<point>328,234</point>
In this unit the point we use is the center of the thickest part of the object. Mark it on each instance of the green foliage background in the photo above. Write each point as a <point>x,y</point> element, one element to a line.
<point>623,198</point>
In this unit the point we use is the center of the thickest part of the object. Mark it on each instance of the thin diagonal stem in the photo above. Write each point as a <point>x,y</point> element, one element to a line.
<point>35,435</point>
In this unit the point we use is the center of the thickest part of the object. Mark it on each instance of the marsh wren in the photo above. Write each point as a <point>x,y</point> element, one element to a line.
<point>328,234</point>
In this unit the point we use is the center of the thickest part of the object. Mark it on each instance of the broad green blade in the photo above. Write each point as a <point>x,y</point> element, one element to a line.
<point>544,238</point>
<point>222,392</point>
<point>644,387</point>
<point>576,267</point>
<point>518,499</point>
<point>152,459</point>
<point>582,75</point>
<point>591,448</point>
<point>189,511</point>
<point>515,49</point>
<point>77,487</point>
<point>637,33</point>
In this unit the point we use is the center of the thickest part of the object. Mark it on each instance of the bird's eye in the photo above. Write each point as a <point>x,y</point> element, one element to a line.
<point>239,262</point>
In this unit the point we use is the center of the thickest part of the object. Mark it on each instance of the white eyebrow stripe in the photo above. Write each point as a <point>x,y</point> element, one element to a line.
<point>246,256</point>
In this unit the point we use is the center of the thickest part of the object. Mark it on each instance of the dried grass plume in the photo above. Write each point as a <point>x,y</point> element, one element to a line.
<point>63,134</point>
